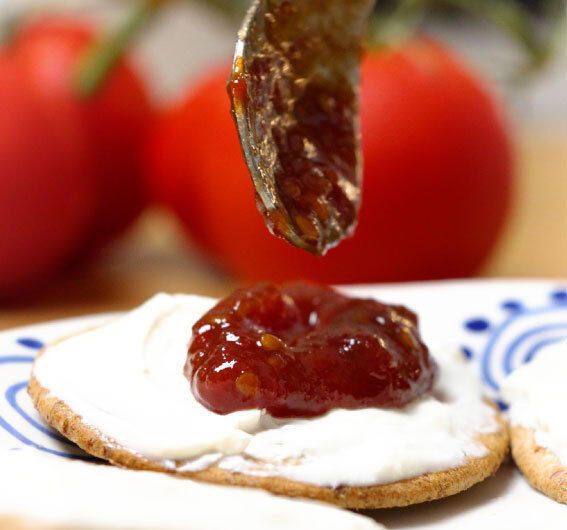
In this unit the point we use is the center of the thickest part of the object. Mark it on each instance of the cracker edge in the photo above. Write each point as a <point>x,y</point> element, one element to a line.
<point>426,487</point>
<point>541,467</point>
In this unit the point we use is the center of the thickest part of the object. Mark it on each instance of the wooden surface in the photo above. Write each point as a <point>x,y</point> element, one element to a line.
<point>154,256</point>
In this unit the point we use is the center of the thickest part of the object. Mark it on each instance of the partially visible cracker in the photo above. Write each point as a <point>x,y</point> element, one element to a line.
<point>541,467</point>
<point>426,487</point>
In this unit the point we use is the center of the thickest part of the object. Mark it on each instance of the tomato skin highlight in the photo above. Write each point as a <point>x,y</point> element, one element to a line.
<point>45,191</point>
<point>114,120</point>
<point>438,176</point>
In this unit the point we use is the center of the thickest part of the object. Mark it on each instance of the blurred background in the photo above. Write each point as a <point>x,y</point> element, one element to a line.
<point>121,174</point>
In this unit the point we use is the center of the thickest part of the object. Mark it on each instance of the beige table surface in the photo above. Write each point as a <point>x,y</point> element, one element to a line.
<point>153,256</point>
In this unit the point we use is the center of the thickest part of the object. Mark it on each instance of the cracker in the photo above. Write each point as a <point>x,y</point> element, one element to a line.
<point>426,487</point>
<point>541,467</point>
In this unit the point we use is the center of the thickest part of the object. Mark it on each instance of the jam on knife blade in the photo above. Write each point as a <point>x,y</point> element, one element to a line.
<point>294,94</point>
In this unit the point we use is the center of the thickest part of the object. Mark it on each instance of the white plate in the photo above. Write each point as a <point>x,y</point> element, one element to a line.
<point>497,324</point>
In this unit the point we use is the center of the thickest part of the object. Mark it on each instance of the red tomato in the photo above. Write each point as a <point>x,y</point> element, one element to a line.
<point>114,120</point>
<point>45,191</point>
<point>437,176</point>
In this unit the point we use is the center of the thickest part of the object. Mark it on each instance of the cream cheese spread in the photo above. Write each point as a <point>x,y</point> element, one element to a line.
<point>126,379</point>
<point>537,393</point>
<point>47,490</point>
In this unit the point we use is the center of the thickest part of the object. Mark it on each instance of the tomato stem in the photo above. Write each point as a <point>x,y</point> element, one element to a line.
<point>398,25</point>
<point>517,23</point>
<point>8,29</point>
<point>101,57</point>
<point>512,18</point>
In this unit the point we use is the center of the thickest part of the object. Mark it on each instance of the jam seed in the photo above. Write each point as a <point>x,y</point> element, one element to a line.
<point>271,342</point>
<point>309,230</point>
<point>275,362</point>
<point>248,384</point>
<point>408,339</point>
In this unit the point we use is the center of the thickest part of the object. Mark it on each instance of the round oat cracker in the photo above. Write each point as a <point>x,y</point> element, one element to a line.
<point>426,487</point>
<point>541,467</point>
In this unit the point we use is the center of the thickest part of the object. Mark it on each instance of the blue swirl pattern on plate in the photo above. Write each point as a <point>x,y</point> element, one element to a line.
<point>11,396</point>
<point>522,334</point>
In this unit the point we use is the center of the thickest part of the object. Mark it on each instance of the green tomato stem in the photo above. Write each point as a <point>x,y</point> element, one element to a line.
<point>100,58</point>
<point>389,29</point>
<point>514,20</point>
<point>9,28</point>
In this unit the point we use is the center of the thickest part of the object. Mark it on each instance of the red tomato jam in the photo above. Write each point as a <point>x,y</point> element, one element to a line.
<point>301,350</point>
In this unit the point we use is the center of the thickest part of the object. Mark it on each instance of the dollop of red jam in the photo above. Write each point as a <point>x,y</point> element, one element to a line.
<point>301,350</point>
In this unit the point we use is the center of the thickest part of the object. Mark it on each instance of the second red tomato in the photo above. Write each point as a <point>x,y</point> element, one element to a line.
<point>437,176</point>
